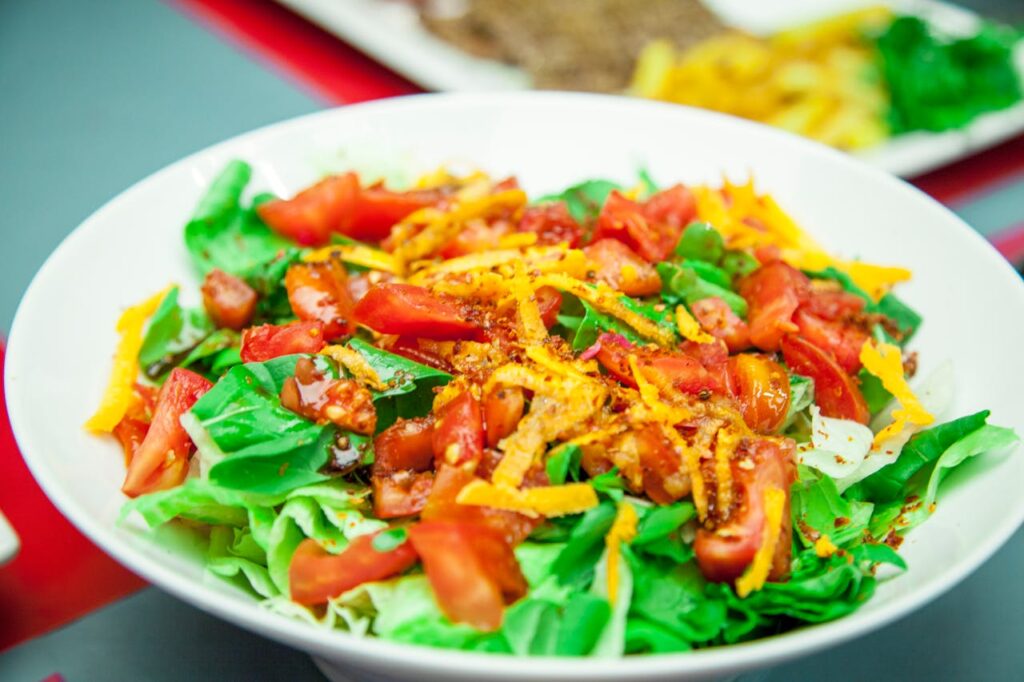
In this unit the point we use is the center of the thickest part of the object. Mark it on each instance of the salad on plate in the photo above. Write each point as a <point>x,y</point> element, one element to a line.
<point>619,419</point>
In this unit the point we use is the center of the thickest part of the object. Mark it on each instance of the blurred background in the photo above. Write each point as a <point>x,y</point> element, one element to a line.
<point>99,94</point>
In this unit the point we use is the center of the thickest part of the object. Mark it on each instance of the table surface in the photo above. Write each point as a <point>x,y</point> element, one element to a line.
<point>99,95</point>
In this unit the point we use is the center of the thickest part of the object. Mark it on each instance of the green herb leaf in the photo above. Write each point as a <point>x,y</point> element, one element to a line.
<point>172,335</point>
<point>584,200</point>
<point>390,539</point>
<point>221,234</point>
<point>701,242</point>
<point>410,385</point>
<point>564,462</point>
<point>682,284</point>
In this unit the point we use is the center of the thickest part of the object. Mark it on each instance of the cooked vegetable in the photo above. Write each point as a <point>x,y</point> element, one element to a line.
<point>652,438</point>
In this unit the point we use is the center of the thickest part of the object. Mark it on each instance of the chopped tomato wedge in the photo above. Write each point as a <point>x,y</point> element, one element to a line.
<point>761,386</point>
<point>718,319</point>
<point>409,347</point>
<point>409,310</point>
<point>314,213</point>
<point>549,302</point>
<point>503,408</point>
<point>267,341</point>
<point>343,402</point>
<point>652,228</point>
<point>773,293</point>
<point>621,268</point>
<point>725,552</point>
<point>442,505</point>
<point>459,431</point>
<point>476,237</point>
<point>552,224</point>
<point>842,339</point>
<point>664,479</point>
<point>833,304</point>
<point>319,291</point>
<point>406,444</point>
<point>161,460</point>
<point>835,391</point>
<point>228,300</point>
<point>402,493</point>
<point>377,210</point>
<point>683,372</point>
<point>132,428</point>
<point>315,575</point>
<point>471,569</point>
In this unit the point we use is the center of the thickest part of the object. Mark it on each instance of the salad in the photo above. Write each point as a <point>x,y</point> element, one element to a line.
<point>613,420</point>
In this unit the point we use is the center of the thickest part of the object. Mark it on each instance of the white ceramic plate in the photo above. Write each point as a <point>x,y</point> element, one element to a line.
<point>390,32</point>
<point>63,335</point>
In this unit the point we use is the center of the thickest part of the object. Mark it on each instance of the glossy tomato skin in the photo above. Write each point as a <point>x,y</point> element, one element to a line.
<point>229,301</point>
<point>409,310</point>
<point>664,480</point>
<point>315,575</point>
<point>841,339</point>
<point>718,319</point>
<point>552,224</point>
<point>313,214</point>
<point>652,228</point>
<point>268,341</point>
<point>549,302</point>
<point>320,292</point>
<point>442,505</point>
<point>459,431</point>
<point>406,444</point>
<point>401,493</point>
<point>835,391</point>
<point>773,293</point>
<point>683,372</point>
<point>132,428</point>
<point>377,210</point>
<point>725,552</point>
<point>621,268</point>
<point>503,408</point>
<point>761,386</point>
<point>161,459</point>
<point>472,571</point>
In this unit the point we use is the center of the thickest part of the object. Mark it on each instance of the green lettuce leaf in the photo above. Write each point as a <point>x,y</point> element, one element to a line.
<point>583,323</point>
<point>585,199</point>
<point>889,483</point>
<point>410,385</point>
<point>267,280</point>
<point>564,463</point>
<point>801,396</point>
<point>172,336</point>
<point>670,603</point>
<point>575,563</point>
<point>700,242</point>
<point>222,234</point>
<point>818,506</point>
<point>249,441</point>
<point>681,283</point>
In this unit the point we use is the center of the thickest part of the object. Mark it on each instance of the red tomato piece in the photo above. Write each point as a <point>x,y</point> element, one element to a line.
<point>161,460</point>
<point>718,319</point>
<point>476,237</point>
<point>842,339</point>
<point>552,224</point>
<point>664,479</point>
<point>503,408</point>
<point>402,493</point>
<point>675,206</point>
<point>621,268</point>
<point>228,300</point>
<point>377,210</point>
<point>549,302</point>
<point>761,386</point>
<point>683,372</point>
<point>460,423</point>
<point>472,571</point>
<point>315,575</point>
<point>314,213</point>
<point>315,396</point>
<point>835,391</point>
<point>652,228</point>
<point>267,341</point>
<point>409,347</point>
<point>319,291</point>
<point>442,505</point>
<point>408,444</point>
<point>833,304</point>
<point>725,552</point>
<point>409,310</point>
<point>773,293</point>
